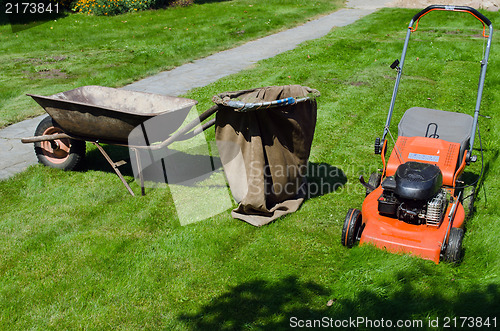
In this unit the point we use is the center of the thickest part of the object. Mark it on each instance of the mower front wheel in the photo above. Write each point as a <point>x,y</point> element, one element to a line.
<point>351,228</point>
<point>453,252</point>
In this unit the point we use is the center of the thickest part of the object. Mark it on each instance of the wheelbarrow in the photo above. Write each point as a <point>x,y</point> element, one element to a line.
<point>103,115</point>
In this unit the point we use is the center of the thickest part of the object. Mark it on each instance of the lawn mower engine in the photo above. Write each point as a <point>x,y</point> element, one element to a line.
<point>414,194</point>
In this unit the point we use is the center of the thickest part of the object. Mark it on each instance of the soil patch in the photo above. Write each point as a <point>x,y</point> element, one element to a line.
<point>46,74</point>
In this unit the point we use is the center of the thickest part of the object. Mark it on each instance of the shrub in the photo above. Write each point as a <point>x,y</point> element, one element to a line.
<point>181,3</point>
<point>114,7</point>
<point>67,4</point>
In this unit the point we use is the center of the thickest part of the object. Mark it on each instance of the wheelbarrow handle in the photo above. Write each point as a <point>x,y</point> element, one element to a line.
<point>185,130</point>
<point>197,131</point>
<point>51,137</point>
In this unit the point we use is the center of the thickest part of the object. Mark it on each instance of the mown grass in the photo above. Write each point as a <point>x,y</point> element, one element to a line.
<point>78,252</point>
<point>78,49</point>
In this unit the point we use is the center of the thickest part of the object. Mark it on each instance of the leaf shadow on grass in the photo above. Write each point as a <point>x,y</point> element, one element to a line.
<point>256,302</point>
<point>403,298</point>
<point>276,305</point>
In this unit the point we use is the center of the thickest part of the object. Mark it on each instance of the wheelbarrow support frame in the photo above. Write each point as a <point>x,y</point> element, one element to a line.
<point>188,131</point>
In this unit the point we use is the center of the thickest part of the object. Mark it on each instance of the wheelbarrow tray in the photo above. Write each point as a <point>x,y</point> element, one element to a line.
<point>109,114</point>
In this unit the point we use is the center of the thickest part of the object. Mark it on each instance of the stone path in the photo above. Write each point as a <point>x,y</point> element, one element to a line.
<point>16,157</point>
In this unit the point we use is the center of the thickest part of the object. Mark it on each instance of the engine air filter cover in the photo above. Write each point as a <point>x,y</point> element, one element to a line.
<point>418,181</point>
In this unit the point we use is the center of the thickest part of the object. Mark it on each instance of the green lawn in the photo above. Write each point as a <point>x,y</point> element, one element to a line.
<point>76,251</point>
<point>79,50</point>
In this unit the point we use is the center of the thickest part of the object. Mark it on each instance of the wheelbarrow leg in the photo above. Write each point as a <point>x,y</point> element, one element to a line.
<point>139,170</point>
<point>115,166</point>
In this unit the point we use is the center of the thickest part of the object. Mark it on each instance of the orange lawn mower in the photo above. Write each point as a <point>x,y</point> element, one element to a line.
<point>415,204</point>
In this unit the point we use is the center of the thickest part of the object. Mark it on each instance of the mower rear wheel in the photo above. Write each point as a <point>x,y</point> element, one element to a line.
<point>351,228</point>
<point>453,252</point>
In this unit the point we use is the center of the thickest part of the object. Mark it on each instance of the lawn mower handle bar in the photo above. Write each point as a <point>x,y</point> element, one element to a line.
<point>467,9</point>
<point>484,64</point>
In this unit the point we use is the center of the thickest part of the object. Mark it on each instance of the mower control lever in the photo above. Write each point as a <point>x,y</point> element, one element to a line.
<point>395,64</point>
<point>365,184</point>
<point>378,146</point>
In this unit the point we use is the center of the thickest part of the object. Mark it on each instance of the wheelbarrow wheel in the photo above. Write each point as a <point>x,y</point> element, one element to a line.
<point>65,154</point>
<point>453,252</point>
<point>352,225</point>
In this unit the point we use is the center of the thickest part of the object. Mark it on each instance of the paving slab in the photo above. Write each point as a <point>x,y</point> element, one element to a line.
<point>16,156</point>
